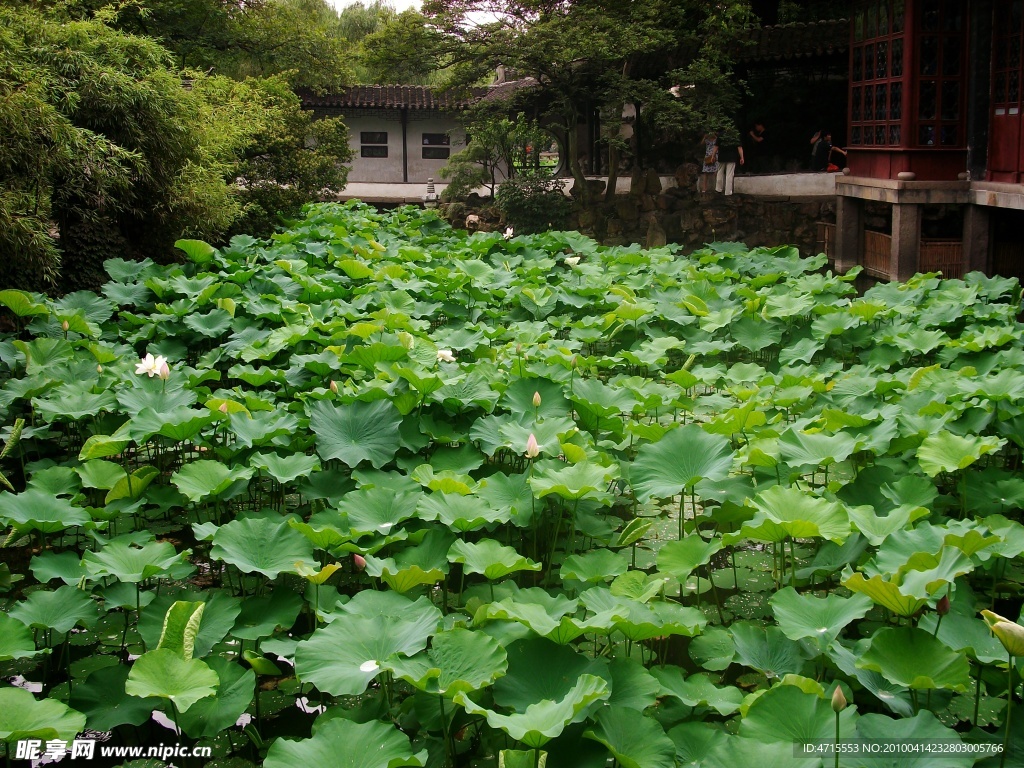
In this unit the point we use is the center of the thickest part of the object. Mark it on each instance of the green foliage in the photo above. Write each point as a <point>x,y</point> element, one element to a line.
<point>326,517</point>
<point>534,203</point>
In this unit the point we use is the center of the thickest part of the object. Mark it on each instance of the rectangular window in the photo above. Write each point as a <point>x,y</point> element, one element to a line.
<point>373,143</point>
<point>436,146</point>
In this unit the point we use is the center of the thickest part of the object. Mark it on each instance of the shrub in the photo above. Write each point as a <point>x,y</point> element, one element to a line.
<point>532,204</point>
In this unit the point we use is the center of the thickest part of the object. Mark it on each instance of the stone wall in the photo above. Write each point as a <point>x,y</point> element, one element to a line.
<point>653,216</point>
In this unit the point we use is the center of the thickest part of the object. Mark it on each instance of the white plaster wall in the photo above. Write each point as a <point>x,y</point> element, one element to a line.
<point>389,170</point>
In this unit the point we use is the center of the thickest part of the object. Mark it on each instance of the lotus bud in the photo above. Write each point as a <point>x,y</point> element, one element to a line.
<point>99,369</point>
<point>65,326</point>
<point>575,361</point>
<point>334,386</point>
<point>1011,635</point>
<point>536,399</point>
<point>445,356</point>
<point>164,371</point>
<point>838,700</point>
<point>942,607</point>
<point>532,447</point>
<point>223,407</point>
<point>519,349</point>
<point>572,261</point>
<point>359,562</point>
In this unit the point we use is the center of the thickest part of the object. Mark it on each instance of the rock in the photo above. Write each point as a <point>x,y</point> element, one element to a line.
<point>472,222</point>
<point>626,209</point>
<point>656,236</point>
<point>594,186</point>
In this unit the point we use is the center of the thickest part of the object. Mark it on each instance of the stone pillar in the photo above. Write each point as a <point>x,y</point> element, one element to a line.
<point>977,237</point>
<point>906,241</point>
<point>849,233</point>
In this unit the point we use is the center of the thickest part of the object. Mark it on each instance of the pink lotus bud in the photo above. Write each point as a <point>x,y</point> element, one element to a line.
<point>532,447</point>
<point>164,372</point>
<point>359,561</point>
<point>99,369</point>
<point>223,408</point>
<point>334,386</point>
<point>66,326</point>
<point>942,607</point>
<point>536,399</point>
<point>575,361</point>
<point>838,700</point>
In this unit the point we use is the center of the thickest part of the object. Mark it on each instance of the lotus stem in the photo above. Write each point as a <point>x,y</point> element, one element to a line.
<point>977,695</point>
<point>1009,711</point>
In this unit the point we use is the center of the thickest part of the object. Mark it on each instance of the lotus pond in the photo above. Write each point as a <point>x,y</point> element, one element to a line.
<point>376,493</point>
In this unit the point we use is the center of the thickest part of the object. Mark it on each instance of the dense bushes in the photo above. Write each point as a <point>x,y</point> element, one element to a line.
<point>533,203</point>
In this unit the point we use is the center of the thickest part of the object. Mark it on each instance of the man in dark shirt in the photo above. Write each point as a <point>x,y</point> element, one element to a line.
<point>753,147</point>
<point>821,155</point>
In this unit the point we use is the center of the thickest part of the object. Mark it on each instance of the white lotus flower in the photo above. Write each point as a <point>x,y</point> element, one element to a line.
<point>369,666</point>
<point>572,261</point>
<point>445,356</point>
<point>153,366</point>
<point>509,233</point>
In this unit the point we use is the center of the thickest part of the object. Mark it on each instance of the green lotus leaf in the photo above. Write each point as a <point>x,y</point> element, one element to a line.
<point>539,669</point>
<point>204,478</point>
<point>966,633</point>
<point>518,398</point>
<point>696,741</point>
<point>379,509</point>
<point>911,657</point>
<point>343,744</point>
<point>634,740</point>
<point>767,650</point>
<point>522,758</point>
<point>460,513</point>
<point>821,618</point>
<point>105,446</point>
<point>697,690</point>
<point>197,251</point>
<point>633,687</point>
<point>572,481</point>
<point>218,617</point>
<point>511,492</point>
<point>784,713</point>
<point>343,657</point>
<point>176,423</point>
<point>594,566</point>
<point>877,528</point>
<point>262,545</point>
<point>423,563</point>
<point>633,532</point>
<point>37,510</point>
<point>285,469</point>
<point>893,695</point>
<point>22,304</point>
<point>22,716</point>
<point>164,674</point>
<point>489,558</point>
<point>548,433</point>
<point>356,432</point>
<point>60,610</point>
<point>679,461</point>
<point>945,452</point>
<point>786,512</point>
<point>211,715</point>
<point>815,449</point>
<point>260,617</point>
<point>133,564</point>
<point>922,728</point>
<point>714,650</point>
<point>98,473</point>
<point>103,701</point>
<point>681,557</point>
<point>543,613</point>
<point>544,720</point>
<point>885,593</point>
<point>459,661</point>
<point>924,574</point>
<point>16,641</point>
<point>135,487</point>
<point>638,586</point>
<point>181,626</point>
<point>639,621</point>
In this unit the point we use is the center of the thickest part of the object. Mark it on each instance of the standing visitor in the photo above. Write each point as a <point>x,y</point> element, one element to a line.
<point>753,147</point>
<point>730,153</point>
<point>821,155</point>
<point>709,167</point>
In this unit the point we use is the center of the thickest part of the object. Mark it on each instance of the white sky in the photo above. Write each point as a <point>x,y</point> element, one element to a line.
<point>398,5</point>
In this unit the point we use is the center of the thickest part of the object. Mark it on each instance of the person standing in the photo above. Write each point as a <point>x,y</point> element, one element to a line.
<point>730,153</point>
<point>753,146</point>
<point>821,155</point>
<point>709,167</point>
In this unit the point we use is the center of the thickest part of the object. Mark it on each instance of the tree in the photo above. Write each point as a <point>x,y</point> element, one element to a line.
<point>105,151</point>
<point>580,54</point>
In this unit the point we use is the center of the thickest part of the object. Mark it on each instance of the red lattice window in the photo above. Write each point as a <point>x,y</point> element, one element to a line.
<point>1006,56</point>
<point>877,92</point>
<point>941,69</point>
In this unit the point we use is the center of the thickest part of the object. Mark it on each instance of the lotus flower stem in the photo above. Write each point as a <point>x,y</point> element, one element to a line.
<point>1009,710</point>
<point>977,695</point>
